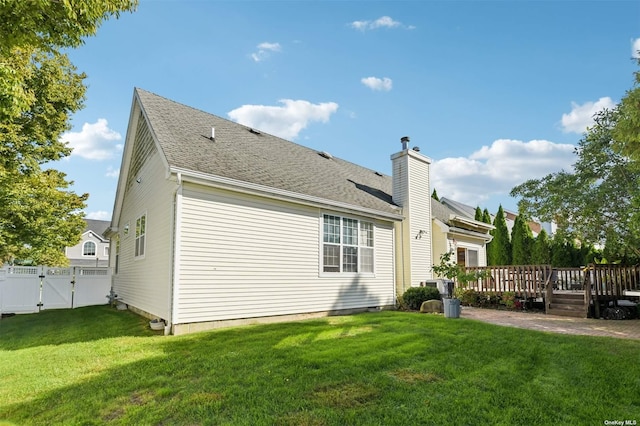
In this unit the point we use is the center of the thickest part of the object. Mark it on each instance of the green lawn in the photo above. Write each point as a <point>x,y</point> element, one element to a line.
<point>98,365</point>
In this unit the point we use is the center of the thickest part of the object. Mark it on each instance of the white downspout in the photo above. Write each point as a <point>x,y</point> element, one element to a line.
<point>175,264</point>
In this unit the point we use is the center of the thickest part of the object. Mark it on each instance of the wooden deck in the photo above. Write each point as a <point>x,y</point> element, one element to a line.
<point>597,284</point>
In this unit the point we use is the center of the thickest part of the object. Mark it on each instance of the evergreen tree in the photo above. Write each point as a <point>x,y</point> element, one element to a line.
<point>562,249</point>
<point>434,195</point>
<point>541,253</point>
<point>499,249</point>
<point>478,216</point>
<point>521,242</point>
<point>486,216</point>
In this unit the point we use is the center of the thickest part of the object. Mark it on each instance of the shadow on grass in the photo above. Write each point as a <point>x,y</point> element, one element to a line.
<point>390,367</point>
<point>63,326</point>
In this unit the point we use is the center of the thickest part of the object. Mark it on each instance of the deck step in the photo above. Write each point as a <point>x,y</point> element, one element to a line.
<point>568,305</point>
<point>568,301</point>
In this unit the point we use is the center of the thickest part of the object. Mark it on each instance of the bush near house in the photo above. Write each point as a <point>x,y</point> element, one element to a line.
<point>413,297</point>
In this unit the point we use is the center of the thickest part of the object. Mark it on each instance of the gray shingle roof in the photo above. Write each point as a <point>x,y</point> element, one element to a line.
<point>440,211</point>
<point>460,208</point>
<point>97,226</point>
<point>256,157</point>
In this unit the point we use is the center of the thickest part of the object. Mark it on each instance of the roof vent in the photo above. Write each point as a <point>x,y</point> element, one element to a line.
<point>378,173</point>
<point>213,134</point>
<point>416,148</point>
<point>255,132</point>
<point>325,154</point>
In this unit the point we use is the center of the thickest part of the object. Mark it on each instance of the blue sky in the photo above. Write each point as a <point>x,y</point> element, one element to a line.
<point>495,92</point>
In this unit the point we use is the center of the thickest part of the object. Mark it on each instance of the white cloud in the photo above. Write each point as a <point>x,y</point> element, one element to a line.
<point>382,22</point>
<point>494,170</point>
<point>264,51</point>
<point>635,48</point>
<point>112,173</point>
<point>581,116</point>
<point>99,215</point>
<point>375,83</point>
<point>285,121</point>
<point>95,141</point>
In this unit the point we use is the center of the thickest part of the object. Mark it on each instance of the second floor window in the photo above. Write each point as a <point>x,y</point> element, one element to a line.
<point>89,248</point>
<point>141,232</point>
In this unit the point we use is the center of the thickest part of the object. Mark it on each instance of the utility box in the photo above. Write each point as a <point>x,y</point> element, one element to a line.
<point>444,286</point>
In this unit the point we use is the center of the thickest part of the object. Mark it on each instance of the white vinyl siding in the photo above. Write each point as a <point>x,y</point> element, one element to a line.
<point>146,284</point>
<point>244,256</point>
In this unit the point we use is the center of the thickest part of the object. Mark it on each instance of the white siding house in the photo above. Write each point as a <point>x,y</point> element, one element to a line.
<point>217,223</point>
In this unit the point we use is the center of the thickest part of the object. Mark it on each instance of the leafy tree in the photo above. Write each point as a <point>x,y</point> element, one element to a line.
<point>39,90</point>
<point>521,242</point>
<point>478,215</point>
<point>541,252</point>
<point>499,249</point>
<point>434,195</point>
<point>599,201</point>
<point>626,132</point>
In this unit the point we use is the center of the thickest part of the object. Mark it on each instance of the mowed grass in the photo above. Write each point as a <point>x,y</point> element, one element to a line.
<point>98,365</point>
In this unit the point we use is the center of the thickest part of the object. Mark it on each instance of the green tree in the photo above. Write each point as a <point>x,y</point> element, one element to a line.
<point>486,216</point>
<point>478,215</point>
<point>541,252</point>
<point>39,90</point>
<point>626,132</point>
<point>499,249</point>
<point>596,203</point>
<point>521,242</point>
<point>562,251</point>
<point>434,195</point>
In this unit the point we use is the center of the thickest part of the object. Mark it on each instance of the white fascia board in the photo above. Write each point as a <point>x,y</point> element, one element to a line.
<point>467,233</point>
<point>280,194</point>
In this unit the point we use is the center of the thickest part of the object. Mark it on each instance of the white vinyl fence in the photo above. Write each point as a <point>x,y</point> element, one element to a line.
<point>29,289</point>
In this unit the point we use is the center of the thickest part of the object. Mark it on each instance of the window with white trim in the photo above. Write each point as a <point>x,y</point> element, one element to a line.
<point>141,232</point>
<point>89,248</point>
<point>347,245</point>
<point>467,257</point>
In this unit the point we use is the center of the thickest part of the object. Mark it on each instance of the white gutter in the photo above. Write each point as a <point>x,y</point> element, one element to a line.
<point>280,194</point>
<point>175,254</point>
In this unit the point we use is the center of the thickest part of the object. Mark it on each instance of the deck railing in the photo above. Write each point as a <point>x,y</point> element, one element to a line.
<point>526,281</point>
<point>606,282</point>
<point>612,281</point>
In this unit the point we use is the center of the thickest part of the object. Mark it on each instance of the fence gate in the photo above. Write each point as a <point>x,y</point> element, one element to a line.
<point>29,289</point>
<point>57,288</point>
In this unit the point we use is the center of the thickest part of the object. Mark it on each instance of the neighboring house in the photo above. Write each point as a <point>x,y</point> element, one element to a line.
<point>215,222</point>
<point>463,235</point>
<point>93,248</point>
